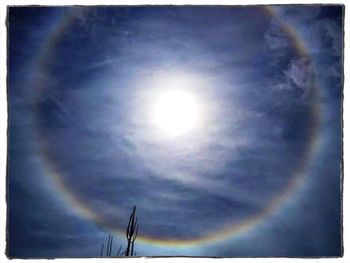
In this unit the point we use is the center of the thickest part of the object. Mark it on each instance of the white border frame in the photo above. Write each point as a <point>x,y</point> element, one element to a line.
<point>3,123</point>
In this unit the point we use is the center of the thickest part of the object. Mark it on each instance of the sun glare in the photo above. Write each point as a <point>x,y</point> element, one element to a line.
<point>175,112</point>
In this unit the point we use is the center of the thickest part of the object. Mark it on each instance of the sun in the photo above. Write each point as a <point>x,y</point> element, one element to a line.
<point>175,112</point>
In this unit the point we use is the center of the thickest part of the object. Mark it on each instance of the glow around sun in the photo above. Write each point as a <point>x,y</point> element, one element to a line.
<point>175,112</point>
<point>175,104</point>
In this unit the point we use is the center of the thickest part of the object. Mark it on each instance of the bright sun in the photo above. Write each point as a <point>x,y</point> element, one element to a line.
<point>175,112</point>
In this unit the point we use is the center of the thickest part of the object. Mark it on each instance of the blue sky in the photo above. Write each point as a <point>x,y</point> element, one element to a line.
<point>268,149</point>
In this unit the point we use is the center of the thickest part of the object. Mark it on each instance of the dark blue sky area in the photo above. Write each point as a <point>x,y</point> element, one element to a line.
<point>83,150</point>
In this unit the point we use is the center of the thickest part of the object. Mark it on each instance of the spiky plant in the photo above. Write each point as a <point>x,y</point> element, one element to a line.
<point>131,233</point>
<point>109,248</point>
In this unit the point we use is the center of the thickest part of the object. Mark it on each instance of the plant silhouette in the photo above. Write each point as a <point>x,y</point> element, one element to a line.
<point>109,248</point>
<point>131,234</point>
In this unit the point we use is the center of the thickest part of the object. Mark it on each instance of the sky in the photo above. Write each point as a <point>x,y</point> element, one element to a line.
<point>259,174</point>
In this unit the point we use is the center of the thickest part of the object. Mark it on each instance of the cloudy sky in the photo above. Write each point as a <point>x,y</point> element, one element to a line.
<point>221,124</point>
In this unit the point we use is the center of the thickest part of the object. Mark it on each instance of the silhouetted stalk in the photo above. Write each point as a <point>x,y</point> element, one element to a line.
<point>109,247</point>
<point>117,254</point>
<point>102,249</point>
<point>131,233</point>
<point>109,237</point>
